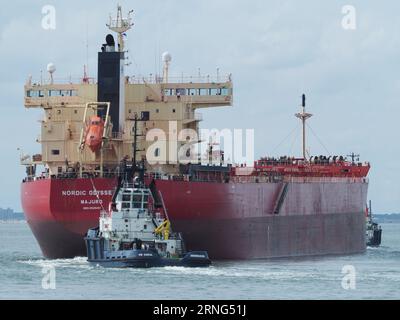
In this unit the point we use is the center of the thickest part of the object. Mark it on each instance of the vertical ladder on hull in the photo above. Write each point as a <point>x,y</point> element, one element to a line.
<point>155,194</point>
<point>281,198</point>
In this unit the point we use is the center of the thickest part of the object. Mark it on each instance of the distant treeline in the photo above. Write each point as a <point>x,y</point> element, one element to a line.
<point>9,214</point>
<point>386,217</point>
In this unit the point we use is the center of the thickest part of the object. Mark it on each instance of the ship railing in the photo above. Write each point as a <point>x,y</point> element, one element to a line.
<point>266,161</point>
<point>256,179</point>
<point>60,81</point>
<point>159,176</point>
<point>155,79</point>
<point>116,135</point>
<point>128,185</point>
<point>133,234</point>
<point>198,116</point>
<point>72,175</point>
<point>193,115</point>
<point>280,178</point>
<point>105,214</point>
<point>326,179</point>
<point>162,176</point>
<point>134,79</point>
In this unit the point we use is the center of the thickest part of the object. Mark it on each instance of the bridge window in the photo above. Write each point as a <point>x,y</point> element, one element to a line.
<point>32,93</point>
<point>214,92</point>
<point>35,94</point>
<point>54,93</point>
<point>182,92</point>
<point>203,92</point>
<point>225,92</point>
<point>62,93</point>
<point>55,152</point>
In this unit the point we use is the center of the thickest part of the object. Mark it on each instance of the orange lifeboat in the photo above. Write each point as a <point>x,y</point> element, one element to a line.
<point>94,133</point>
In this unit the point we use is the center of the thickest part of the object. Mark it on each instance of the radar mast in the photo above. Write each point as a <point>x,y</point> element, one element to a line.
<point>120,25</point>
<point>303,116</point>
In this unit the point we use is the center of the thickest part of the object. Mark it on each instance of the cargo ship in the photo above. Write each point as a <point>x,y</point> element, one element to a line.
<point>93,129</point>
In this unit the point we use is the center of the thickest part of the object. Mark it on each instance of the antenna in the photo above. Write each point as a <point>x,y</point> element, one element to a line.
<point>303,116</point>
<point>166,58</point>
<point>87,44</point>
<point>120,25</point>
<point>51,68</point>
<point>85,78</point>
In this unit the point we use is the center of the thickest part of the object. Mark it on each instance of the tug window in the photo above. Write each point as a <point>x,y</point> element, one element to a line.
<point>125,205</point>
<point>137,200</point>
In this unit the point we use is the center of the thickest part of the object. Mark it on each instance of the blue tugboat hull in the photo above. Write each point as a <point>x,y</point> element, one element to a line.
<point>138,258</point>
<point>191,259</point>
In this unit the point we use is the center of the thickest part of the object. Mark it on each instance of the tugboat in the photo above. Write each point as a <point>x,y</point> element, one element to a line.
<point>132,233</point>
<point>373,229</point>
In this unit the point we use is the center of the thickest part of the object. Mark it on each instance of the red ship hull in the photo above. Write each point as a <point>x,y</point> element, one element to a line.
<point>229,220</point>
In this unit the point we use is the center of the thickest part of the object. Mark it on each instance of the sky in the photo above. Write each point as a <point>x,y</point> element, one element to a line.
<point>275,50</point>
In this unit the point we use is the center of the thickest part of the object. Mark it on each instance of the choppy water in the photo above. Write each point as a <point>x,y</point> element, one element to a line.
<point>21,267</point>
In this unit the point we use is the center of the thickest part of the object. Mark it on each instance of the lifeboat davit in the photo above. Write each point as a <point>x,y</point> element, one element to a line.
<point>94,133</point>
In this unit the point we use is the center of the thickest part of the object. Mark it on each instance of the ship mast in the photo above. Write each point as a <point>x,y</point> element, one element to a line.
<point>303,116</point>
<point>120,25</point>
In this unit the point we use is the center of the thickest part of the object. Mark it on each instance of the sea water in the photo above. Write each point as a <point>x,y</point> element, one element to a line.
<point>25,274</point>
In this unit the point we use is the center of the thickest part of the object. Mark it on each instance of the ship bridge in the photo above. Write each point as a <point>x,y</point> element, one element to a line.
<point>163,102</point>
<point>63,102</point>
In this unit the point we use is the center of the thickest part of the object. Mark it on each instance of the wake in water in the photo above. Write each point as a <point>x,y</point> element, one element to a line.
<point>80,262</point>
<point>220,270</point>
